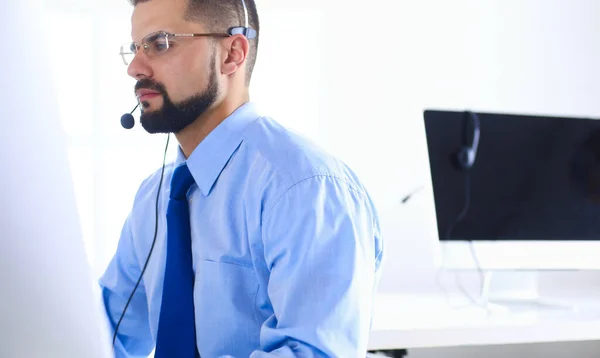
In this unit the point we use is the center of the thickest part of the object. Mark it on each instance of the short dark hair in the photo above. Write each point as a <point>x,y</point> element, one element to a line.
<point>219,16</point>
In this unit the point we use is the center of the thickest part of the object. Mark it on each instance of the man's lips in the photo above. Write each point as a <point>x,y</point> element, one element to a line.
<point>143,94</point>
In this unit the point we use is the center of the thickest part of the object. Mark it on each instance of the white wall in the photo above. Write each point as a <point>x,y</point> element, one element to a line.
<point>395,58</point>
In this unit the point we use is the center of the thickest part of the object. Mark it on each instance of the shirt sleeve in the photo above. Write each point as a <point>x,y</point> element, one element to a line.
<point>134,338</point>
<point>323,247</point>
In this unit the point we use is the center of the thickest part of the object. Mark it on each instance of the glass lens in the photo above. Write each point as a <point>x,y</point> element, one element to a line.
<point>156,44</point>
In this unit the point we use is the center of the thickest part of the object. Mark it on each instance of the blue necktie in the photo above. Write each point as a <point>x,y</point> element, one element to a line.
<point>176,336</point>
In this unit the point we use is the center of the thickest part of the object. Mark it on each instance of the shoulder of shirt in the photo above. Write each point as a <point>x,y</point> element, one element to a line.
<point>149,186</point>
<point>293,157</point>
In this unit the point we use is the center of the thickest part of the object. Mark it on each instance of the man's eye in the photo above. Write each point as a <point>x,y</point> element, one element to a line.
<point>161,45</point>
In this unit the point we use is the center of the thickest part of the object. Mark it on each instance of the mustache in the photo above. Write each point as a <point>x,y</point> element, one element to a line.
<point>152,85</point>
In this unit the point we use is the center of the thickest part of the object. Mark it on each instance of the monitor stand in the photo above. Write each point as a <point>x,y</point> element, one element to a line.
<point>516,291</point>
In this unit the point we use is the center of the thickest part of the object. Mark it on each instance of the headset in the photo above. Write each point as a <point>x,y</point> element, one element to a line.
<point>246,30</point>
<point>464,158</point>
<point>128,122</point>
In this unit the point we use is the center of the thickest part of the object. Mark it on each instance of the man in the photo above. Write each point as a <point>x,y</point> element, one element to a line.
<point>265,245</point>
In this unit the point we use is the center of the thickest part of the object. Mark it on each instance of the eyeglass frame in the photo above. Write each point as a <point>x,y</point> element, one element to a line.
<point>239,30</point>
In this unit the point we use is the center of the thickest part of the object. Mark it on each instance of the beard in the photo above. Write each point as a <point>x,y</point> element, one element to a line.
<point>174,117</point>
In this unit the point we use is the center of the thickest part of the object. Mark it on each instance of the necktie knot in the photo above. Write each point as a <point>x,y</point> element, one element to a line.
<point>181,182</point>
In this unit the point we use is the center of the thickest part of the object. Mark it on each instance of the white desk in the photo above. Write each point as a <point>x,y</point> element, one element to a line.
<point>418,321</point>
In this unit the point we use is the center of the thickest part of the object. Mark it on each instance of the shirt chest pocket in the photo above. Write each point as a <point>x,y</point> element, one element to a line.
<point>225,303</point>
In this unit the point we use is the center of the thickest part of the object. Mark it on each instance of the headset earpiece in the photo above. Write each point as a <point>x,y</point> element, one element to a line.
<point>464,159</point>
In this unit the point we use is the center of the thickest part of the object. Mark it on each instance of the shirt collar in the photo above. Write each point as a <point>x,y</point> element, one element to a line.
<point>209,158</point>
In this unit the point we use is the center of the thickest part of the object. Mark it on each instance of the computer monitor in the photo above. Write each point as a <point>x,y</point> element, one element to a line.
<point>530,200</point>
<point>47,302</point>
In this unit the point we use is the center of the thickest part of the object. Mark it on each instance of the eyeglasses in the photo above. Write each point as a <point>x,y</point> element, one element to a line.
<point>158,43</point>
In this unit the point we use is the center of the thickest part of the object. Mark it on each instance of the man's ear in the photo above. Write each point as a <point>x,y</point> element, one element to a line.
<point>235,52</point>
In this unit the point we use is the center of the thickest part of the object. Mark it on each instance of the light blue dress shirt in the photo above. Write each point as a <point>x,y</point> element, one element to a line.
<point>286,247</point>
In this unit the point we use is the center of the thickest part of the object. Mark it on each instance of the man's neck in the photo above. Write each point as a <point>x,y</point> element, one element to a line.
<point>194,134</point>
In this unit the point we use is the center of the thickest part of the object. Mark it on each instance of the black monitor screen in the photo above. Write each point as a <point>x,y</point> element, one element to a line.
<point>533,178</point>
